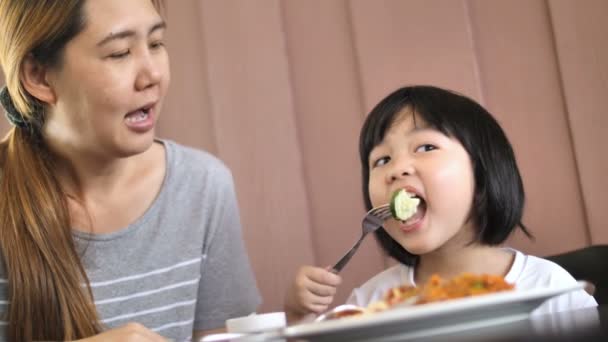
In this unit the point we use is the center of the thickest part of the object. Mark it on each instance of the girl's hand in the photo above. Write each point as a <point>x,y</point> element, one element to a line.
<point>131,332</point>
<point>312,292</point>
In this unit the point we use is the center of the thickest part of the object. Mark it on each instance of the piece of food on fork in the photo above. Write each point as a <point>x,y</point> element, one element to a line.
<point>403,204</point>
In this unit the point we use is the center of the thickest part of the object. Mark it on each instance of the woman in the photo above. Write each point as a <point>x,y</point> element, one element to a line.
<point>106,233</point>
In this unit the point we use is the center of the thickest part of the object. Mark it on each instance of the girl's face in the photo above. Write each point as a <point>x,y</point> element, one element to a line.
<point>111,82</point>
<point>435,168</point>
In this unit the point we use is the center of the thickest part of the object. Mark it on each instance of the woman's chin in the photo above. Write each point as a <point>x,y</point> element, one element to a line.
<point>134,146</point>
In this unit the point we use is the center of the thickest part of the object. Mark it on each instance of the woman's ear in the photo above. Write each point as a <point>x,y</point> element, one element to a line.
<point>34,80</point>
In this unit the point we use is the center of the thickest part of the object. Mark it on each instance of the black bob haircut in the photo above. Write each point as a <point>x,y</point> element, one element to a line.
<point>499,197</point>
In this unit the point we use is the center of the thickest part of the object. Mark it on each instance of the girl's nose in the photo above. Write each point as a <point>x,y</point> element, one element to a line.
<point>401,168</point>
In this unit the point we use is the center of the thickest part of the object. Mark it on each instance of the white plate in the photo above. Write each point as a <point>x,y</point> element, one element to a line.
<point>432,319</point>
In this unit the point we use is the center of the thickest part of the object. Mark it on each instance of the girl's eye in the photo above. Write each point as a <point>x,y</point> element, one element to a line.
<point>381,161</point>
<point>119,55</point>
<point>157,44</point>
<point>426,148</point>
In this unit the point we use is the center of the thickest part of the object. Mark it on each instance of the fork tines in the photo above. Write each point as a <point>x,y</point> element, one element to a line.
<point>383,212</point>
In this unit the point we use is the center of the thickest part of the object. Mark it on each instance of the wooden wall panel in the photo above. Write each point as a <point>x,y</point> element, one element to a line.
<point>187,109</point>
<point>256,135</point>
<point>329,114</point>
<point>581,38</point>
<point>521,84</point>
<point>413,42</point>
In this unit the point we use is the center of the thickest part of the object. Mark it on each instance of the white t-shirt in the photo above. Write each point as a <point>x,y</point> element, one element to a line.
<point>527,272</point>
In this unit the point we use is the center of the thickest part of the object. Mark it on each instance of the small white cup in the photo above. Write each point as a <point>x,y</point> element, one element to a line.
<point>220,337</point>
<point>255,323</point>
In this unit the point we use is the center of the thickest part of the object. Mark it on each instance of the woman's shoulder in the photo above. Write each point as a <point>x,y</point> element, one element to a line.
<point>193,161</point>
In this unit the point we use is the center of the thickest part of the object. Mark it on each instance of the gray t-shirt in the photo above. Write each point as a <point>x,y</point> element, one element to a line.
<point>180,267</point>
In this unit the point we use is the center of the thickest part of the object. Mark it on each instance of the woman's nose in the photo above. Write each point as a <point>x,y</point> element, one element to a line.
<point>149,73</point>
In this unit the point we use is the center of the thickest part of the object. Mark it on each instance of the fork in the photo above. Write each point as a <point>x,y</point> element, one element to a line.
<point>372,221</point>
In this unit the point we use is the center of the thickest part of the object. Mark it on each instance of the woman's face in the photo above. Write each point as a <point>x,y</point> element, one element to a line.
<point>432,166</point>
<point>111,82</point>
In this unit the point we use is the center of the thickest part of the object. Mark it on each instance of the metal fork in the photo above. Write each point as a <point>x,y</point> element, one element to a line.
<point>372,221</point>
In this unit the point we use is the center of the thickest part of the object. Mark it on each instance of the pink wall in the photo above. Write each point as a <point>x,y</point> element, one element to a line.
<point>279,90</point>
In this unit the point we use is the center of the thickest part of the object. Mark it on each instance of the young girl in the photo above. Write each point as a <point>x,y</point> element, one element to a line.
<point>106,233</point>
<point>451,153</point>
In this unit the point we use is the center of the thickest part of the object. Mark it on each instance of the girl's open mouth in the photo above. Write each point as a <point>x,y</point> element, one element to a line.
<point>415,220</point>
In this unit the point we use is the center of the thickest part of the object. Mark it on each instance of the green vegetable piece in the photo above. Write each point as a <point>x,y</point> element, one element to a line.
<point>403,205</point>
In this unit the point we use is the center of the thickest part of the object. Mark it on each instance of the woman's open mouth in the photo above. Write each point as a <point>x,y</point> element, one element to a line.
<point>141,120</point>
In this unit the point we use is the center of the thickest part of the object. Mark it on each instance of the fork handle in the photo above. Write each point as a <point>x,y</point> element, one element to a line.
<point>346,258</point>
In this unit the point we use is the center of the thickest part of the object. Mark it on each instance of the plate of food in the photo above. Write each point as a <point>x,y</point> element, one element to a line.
<point>439,307</point>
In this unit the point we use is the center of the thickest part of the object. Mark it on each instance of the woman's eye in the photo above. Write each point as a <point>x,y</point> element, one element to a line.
<point>119,55</point>
<point>381,161</point>
<point>426,148</point>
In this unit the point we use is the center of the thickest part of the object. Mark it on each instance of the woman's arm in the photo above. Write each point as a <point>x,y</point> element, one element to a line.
<point>227,286</point>
<point>131,332</point>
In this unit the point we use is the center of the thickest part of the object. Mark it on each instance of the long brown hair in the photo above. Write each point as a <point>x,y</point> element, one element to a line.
<point>47,299</point>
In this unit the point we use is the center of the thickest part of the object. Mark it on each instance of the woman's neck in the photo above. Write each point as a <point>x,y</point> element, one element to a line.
<point>100,189</point>
<point>82,175</point>
<point>475,258</point>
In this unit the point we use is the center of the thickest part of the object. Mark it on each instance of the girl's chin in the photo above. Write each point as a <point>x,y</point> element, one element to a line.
<point>406,229</point>
<point>416,245</point>
<point>419,250</point>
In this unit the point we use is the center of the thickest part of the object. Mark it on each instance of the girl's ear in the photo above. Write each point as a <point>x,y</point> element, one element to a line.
<point>34,80</point>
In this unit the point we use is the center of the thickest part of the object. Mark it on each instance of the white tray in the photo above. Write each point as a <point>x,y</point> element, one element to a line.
<point>431,319</point>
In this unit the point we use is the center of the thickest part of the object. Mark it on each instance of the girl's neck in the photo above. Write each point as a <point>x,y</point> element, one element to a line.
<point>478,259</point>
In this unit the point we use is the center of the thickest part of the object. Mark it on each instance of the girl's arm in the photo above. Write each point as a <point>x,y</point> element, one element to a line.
<point>312,291</point>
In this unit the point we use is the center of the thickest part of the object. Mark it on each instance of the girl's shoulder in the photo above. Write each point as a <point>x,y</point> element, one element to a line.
<point>529,271</point>
<point>537,272</point>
